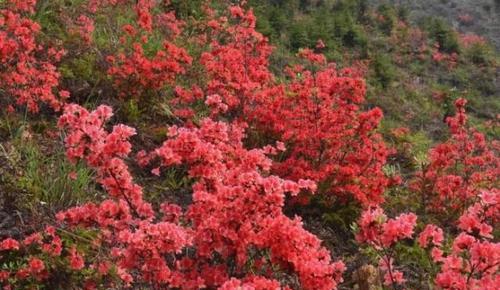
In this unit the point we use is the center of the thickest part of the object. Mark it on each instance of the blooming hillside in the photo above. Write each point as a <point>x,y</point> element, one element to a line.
<point>165,145</point>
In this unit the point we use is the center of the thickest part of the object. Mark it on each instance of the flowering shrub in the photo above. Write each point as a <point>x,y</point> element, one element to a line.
<point>236,67</point>
<point>85,28</point>
<point>236,216</point>
<point>411,42</point>
<point>41,256</point>
<point>135,73</point>
<point>466,19</point>
<point>474,259</point>
<point>383,234</point>
<point>245,208</point>
<point>471,263</point>
<point>125,222</point>
<point>328,138</point>
<point>450,59</point>
<point>134,69</point>
<point>458,186</point>
<point>27,73</point>
<point>87,139</point>
<point>233,191</point>
<point>458,168</point>
<point>468,40</point>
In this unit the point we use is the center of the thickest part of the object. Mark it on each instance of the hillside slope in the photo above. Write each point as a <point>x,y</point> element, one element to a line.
<point>203,144</point>
<point>479,16</point>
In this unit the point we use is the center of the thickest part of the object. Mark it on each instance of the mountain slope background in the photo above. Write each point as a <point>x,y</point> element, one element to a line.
<point>478,16</point>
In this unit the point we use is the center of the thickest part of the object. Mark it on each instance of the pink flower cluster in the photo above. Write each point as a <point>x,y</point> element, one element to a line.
<point>32,267</point>
<point>380,232</point>
<point>474,260</point>
<point>376,230</point>
<point>237,207</point>
<point>134,73</point>
<point>85,28</point>
<point>469,40</point>
<point>136,242</point>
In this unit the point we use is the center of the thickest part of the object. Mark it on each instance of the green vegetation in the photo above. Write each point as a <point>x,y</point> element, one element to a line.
<point>35,178</point>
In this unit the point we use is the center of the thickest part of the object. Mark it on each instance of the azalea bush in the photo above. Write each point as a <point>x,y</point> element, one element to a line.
<point>465,258</point>
<point>457,191</point>
<point>28,75</point>
<point>457,169</point>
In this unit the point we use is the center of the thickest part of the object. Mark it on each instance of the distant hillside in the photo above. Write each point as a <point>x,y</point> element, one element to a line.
<point>418,56</point>
<point>478,16</point>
